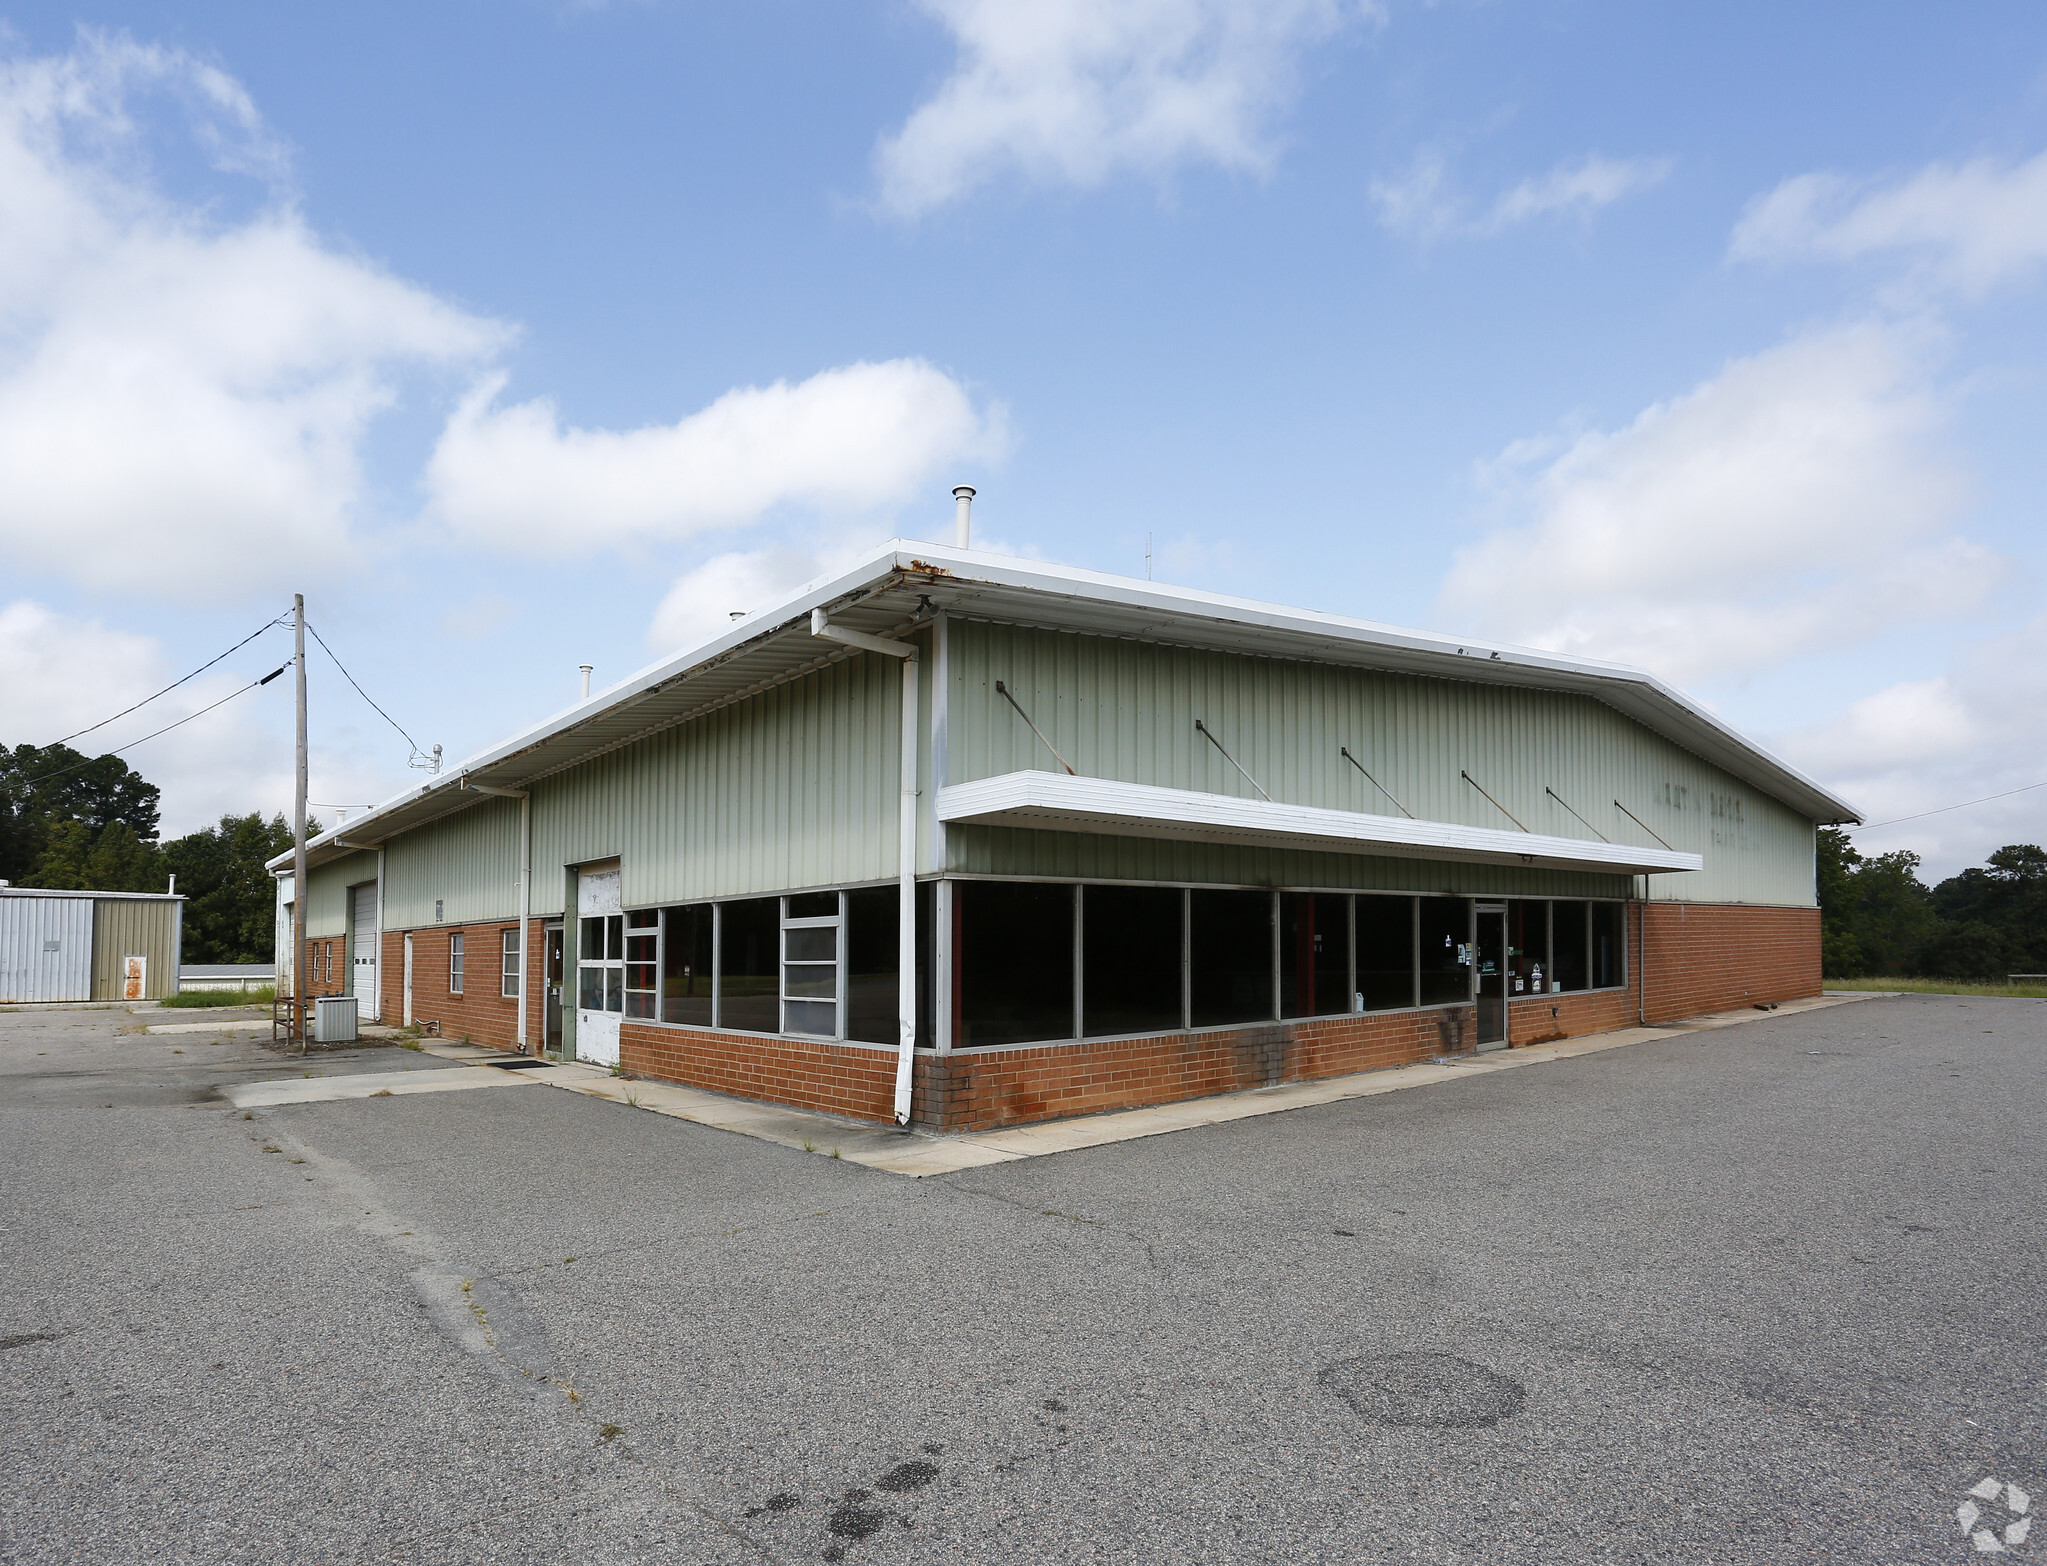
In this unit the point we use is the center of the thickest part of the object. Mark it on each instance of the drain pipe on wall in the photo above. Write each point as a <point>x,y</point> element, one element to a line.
<point>906,853</point>
<point>1642,956</point>
<point>525,890</point>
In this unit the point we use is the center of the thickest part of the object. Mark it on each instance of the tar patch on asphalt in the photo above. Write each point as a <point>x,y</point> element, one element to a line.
<point>1426,1390</point>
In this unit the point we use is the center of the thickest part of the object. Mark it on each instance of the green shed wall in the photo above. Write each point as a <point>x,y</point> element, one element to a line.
<point>121,927</point>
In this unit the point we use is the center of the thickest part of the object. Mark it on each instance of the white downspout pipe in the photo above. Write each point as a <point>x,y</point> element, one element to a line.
<point>906,851</point>
<point>525,891</point>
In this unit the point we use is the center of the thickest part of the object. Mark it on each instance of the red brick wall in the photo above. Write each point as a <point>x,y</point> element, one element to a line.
<point>1718,956</point>
<point>841,1079</point>
<point>480,1013</point>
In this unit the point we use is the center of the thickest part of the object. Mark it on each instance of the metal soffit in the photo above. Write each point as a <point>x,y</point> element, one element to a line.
<point>902,584</point>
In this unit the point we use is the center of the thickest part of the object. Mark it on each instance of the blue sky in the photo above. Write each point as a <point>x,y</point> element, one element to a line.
<point>522,335</point>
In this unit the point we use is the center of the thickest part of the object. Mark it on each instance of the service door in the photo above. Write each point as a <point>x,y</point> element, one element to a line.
<point>554,988</point>
<point>600,966</point>
<point>1491,975</point>
<point>367,941</point>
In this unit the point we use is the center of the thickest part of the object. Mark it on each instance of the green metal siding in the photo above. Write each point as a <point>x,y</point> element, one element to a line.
<point>1125,709</point>
<point>327,901</point>
<point>468,862</point>
<point>121,928</point>
<point>795,787</point>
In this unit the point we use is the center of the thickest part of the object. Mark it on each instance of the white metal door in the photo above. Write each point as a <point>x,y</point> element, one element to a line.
<point>406,1020</point>
<point>366,943</point>
<point>45,948</point>
<point>600,966</point>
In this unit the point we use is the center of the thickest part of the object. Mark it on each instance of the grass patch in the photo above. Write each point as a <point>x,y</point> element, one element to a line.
<point>1944,987</point>
<point>188,998</point>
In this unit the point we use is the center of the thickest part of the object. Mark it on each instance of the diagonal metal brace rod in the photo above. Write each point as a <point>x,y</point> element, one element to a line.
<point>1202,729</point>
<point>1587,825</point>
<point>1645,826</point>
<point>1344,751</point>
<point>1003,691</point>
<point>1502,809</point>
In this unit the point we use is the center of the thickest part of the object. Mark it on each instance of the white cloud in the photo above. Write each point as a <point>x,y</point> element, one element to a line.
<point>1796,501</point>
<point>846,440</point>
<point>1073,92</point>
<point>1970,733</point>
<point>62,672</point>
<point>703,601</point>
<point>181,399</point>
<point>1423,204</point>
<point>1967,226</point>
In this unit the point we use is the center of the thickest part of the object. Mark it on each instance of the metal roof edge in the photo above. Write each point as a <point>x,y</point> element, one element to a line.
<point>1467,658</point>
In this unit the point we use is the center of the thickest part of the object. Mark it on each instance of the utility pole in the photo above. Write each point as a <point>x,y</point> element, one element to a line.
<point>298,833</point>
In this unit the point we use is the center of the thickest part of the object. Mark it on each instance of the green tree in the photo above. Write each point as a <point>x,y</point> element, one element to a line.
<point>233,900</point>
<point>1876,915</point>
<point>76,859</point>
<point>45,786</point>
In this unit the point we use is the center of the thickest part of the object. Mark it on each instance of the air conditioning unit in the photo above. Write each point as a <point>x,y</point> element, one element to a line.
<point>334,1019</point>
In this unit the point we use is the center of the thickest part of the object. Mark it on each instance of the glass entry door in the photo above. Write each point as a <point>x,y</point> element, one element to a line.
<point>553,987</point>
<point>600,966</point>
<point>1489,973</point>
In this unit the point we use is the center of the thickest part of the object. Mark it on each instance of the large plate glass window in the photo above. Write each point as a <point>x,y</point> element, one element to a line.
<point>1230,957</point>
<point>873,998</point>
<point>813,936</point>
<point>1385,943</point>
<point>1528,964</point>
<point>749,974</point>
<point>1131,959</point>
<point>1314,954</point>
<point>1570,927</point>
<point>1609,945</point>
<point>1015,962</point>
<point>686,965</point>
<point>1445,951</point>
<point>602,963</point>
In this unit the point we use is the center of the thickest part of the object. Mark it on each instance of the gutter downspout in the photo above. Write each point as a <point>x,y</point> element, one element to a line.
<point>525,891</point>
<point>906,850</point>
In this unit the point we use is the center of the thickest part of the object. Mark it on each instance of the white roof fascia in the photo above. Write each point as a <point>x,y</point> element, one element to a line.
<point>1180,612</point>
<point>1051,801</point>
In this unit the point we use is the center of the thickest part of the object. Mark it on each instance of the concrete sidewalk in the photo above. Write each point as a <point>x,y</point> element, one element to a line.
<point>918,1153</point>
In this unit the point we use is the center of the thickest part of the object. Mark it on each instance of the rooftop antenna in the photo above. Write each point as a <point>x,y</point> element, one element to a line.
<point>963,515</point>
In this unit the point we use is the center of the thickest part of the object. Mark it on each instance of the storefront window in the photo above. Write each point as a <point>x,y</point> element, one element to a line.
<point>1385,947</point>
<point>686,965</point>
<point>1609,945</point>
<point>1445,951</point>
<point>749,968</point>
<point>642,962</point>
<point>1569,930</point>
<point>1527,947</point>
<point>1230,957</point>
<point>1314,954</point>
<point>872,937</point>
<point>1014,943</point>
<point>1131,938</point>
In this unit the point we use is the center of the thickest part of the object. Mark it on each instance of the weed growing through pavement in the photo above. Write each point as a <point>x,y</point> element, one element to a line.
<point>835,1152</point>
<point>632,1097</point>
<point>809,1146</point>
<point>610,1432</point>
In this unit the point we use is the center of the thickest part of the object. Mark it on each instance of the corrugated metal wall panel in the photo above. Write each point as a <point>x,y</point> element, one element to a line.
<point>1126,709</point>
<point>469,862</point>
<point>795,787</point>
<point>45,949</point>
<point>327,903</point>
<point>121,927</point>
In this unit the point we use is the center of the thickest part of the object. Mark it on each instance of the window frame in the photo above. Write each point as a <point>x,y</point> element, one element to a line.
<point>511,964</point>
<point>836,923</point>
<point>457,958</point>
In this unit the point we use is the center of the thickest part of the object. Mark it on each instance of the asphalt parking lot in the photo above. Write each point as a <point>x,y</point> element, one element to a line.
<point>1772,1293</point>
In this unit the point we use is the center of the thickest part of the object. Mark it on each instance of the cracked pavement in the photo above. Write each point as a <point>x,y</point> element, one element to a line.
<point>1752,1295</point>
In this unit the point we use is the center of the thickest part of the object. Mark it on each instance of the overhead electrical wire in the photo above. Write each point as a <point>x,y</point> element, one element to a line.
<point>1871,826</point>
<point>365,695</point>
<point>238,646</point>
<point>230,696</point>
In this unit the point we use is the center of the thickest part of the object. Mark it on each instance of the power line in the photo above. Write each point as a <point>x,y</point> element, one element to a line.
<point>89,760</point>
<point>365,695</point>
<point>1871,826</point>
<point>238,646</point>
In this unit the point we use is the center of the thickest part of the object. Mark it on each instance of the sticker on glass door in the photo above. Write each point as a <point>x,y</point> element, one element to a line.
<point>600,966</point>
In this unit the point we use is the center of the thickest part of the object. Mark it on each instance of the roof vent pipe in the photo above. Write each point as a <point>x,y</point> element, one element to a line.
<point>963,515</point>
<point>586,668</point>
